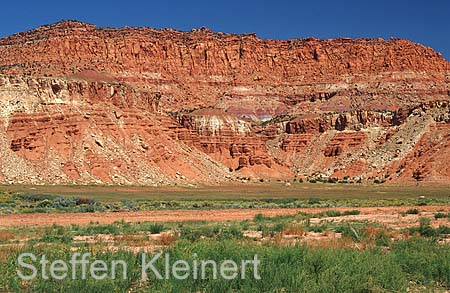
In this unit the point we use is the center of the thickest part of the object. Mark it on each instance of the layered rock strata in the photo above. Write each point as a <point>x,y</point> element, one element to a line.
<point>82,104</point>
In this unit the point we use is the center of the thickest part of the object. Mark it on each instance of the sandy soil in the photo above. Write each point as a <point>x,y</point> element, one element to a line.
<point>377,214</point>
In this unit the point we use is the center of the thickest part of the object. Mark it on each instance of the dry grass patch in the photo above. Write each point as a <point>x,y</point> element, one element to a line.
<point>167,239</point>
<point>294,229</point>
<point>6,236</point>
<point>132,239</point>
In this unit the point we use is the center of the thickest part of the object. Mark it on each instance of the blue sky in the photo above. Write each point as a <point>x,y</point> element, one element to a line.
<point>425,22</point>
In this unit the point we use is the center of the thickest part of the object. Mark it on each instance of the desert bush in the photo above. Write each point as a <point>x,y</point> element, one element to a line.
<point>316,229</point>
<point>425,228</point>
<point>351,212</point>
<point>303,269</point>
<point>56,234</point>
<point>356,233</point>
<point>245,225</point>
<point>258,218</point>
<point>283,268</point>
<point>215,232</point>
<point>333,213</point>
<point>443,230</point>
<point>424,260</point>
<point>33,197</point>
<point>92,207</point>
<point>11,282</point>
<point>167,239</point>
<point>44,203</point>
<point>441,216</point>
<point>5,197</point>
<point>294,229</point>
<point>156,228</point>
<point>412,212</point>
<point>382,239</point>
<point>314,201</point>
<point>64,202</point>
<point>93,229</point>
<point>130,205</point>
<point>83,200</point>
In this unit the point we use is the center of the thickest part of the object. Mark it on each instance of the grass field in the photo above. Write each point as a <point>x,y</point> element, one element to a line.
<point>57,199</point>
<point>244,191</point>
<point>349,256</point>
<point>349,237</point>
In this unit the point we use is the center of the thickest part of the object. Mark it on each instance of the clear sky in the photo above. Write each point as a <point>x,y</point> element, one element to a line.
<point>425,22</point>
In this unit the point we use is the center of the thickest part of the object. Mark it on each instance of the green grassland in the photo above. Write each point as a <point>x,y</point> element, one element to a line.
<point>368,262</point>
<point>273,190</point>
<point>57,199</point>
<point>368,257</point>
<point>36,203</point>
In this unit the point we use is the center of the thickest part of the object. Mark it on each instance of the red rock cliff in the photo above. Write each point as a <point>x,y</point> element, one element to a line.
<point>137,105</point>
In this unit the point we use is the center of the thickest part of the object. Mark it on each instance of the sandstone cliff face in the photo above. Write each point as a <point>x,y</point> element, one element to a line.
<point>136,105</point>
<point>232,142</point>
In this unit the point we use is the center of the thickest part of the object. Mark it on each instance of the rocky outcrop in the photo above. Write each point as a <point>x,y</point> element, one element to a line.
<point>428,160</point>
<point>230,141</point>
<point>82,104</point>
<point>200,68</point>
<point>348,120</point>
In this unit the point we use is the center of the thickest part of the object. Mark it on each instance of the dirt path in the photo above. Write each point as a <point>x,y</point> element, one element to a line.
<point>185,215</point>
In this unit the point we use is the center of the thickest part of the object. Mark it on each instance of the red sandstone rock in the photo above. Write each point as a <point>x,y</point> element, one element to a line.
<point>141,106</point>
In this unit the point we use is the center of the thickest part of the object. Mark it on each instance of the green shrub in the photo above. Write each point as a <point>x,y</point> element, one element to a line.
<point>156,228</point>
<point>333,213</point>
<point>93,229</point>
<point>290,269</point>
<point>426,261</point>
<point>215,232</point>
<point>64,202</point>
<point>258,218</point>
<point>314,200</point>
<point>56,234</point>
<point>424,228</point>
<point>351,212</point>
<point>44,204</point>
<point>316,229</point>
<point>412,212</point>
<point>63,252</point>
<point>33,197</point>
<point>283,268</point>
<point>441,216</point>
<point>353,232</point>
<point>382,239</point>
<point>422,203</point>
<point>443,230</point>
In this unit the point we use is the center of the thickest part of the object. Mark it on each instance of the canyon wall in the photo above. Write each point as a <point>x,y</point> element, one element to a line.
<point>81,104</point>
